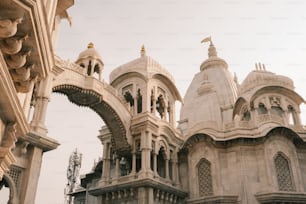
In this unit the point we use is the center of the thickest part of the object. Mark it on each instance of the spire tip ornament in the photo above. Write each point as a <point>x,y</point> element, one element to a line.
<point>143,51</point>
<point>212,52</point>
<point>90,45</point>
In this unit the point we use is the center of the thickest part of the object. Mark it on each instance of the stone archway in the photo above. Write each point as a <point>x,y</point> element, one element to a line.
<point>87,91</point>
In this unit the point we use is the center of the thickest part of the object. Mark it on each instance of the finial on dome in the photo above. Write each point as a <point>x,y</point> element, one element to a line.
<point>90,45</point>
<point>212,52</point>
<point>260,67</point>
<point>143,51</point>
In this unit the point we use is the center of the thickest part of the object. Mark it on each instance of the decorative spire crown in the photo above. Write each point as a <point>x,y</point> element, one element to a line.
<point>90,45</point>
<point>212,52</point>
<point>143,51</point>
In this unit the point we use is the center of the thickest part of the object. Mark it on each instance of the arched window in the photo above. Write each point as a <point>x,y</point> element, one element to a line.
<point>283,173</point>
<point>139,101</point>
<point>161,162</point>
<point>262,109</point>
<point>245,114</point>
<point>129,98</point>
<point>204,178</point>
<point>160,106</point>
<point>89,68</point>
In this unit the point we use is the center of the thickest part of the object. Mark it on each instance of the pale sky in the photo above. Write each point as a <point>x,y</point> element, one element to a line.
<point>244,32</point>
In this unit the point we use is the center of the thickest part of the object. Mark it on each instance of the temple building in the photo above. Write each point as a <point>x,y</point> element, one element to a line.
<point>234,142</point>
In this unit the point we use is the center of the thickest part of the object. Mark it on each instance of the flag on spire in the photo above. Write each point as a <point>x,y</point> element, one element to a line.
<point>207,39</point>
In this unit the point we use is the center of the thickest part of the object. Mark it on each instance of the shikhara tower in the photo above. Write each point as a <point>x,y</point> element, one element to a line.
<point>234,143</point>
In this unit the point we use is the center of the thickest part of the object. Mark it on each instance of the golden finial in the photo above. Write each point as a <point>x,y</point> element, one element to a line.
<point>90,45</point>
<point>143,51</point>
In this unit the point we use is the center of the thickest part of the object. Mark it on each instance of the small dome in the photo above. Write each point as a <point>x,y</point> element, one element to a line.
<point>261,77</point>
<point>144,65</point>
<point>89,52</point>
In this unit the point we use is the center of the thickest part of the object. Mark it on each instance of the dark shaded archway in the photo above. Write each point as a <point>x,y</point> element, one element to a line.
<point>93,100</point>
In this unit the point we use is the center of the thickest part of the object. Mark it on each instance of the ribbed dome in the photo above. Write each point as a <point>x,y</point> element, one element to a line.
<point>89,52</point>
<point>258,78</point>
<point>143,65</point>
<point>209,100</point>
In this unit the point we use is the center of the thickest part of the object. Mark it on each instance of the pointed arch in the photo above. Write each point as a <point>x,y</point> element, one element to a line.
<point>240,102</point>
<point>205,178</point>
<point>283,172</point>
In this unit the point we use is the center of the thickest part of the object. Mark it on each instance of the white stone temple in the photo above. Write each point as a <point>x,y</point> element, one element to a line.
<point>234,143</point>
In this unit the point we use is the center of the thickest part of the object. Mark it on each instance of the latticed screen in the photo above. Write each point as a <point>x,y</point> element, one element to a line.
<point>15,173</point>
<point>205,179</point>
<point>283,173</point>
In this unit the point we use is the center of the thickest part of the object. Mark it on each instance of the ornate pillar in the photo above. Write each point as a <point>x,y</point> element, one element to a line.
<point>42,100</point>
<point>145,151</point>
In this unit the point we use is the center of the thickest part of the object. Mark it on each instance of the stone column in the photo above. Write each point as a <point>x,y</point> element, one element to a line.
<point>176,176</point>
<point>31,175</point>
<point>133,163</point>
<point>166,112</point>
<point>135,104</point>
<point>155,164</point>
<point>297,116</point>
<point>142,195</point>
<point>42,100</point>
<point>167,168</point>
<point>145,144</point>
<point>117,169</point>
<point>172,114</point>
<point>153,105</point>
<point>106,164</point>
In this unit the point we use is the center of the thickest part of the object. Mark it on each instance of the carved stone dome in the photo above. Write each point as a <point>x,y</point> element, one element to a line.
<point>89,52</point>
<point>144,65</point>
<point>91,61</point>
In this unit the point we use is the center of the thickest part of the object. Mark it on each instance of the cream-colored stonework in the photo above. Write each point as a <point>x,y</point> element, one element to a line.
<point>235,143</point>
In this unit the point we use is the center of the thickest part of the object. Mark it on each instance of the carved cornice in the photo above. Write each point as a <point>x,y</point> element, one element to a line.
<point>281,197</point>
<point>9,102</point>
<point>229,199</point>
<point>24,42</point>
<point>43,142</point>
